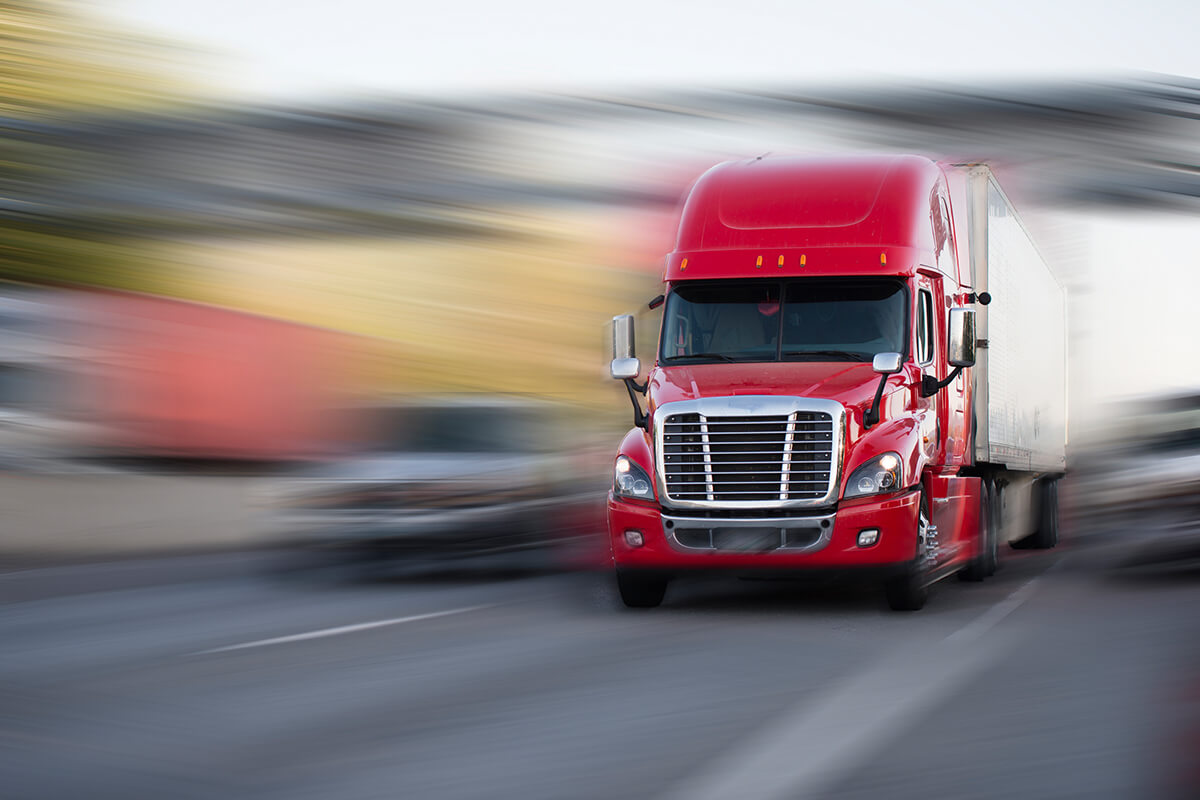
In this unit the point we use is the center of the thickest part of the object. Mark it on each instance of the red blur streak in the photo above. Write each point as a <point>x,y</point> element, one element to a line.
<point>180,379</point>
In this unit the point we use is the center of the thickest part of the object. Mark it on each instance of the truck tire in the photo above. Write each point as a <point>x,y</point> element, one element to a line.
<point>640,590</point>
<point>1046,534</point>
<point>983,565</point>
<point>997,520</point>
<point>909,590</point>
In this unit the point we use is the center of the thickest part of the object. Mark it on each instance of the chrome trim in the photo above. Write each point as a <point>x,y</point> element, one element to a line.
<point>707,449</point>
<point>785,472</point>
<point>750,406</point>
<point>784,524</point>
<point>887,363</point>
<point>622,368</point>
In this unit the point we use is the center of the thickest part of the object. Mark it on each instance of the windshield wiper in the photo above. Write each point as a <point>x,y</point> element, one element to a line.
<point>717,356</point>
<point>821,355</point>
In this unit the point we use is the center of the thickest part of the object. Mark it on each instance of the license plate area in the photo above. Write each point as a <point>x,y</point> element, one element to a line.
<point>746,540</point>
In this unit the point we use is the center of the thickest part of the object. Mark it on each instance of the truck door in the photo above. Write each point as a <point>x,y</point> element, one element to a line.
<point>925,348</point>
<point>951,502</point>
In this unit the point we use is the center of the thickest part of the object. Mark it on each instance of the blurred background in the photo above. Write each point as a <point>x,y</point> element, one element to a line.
<point>263,260</point>
<point>219,236</point>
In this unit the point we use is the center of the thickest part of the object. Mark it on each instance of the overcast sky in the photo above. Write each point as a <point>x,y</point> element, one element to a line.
<point>303,47</point>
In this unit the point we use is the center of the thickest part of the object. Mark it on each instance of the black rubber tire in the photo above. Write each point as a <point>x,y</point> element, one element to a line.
<point>984,564</point>
<point>997,502</point>
<point>910,590</point>
<point>1049,526</point>
<point>640,590</point>
<point>1046,535</point>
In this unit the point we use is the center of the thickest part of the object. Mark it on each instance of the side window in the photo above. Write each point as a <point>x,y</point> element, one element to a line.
<point>924,327</point>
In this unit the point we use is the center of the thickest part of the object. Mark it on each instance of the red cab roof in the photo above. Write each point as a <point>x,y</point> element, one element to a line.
<point>809,216</point>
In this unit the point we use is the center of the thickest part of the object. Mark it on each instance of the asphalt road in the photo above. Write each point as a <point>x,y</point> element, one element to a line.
<point>164,680</point>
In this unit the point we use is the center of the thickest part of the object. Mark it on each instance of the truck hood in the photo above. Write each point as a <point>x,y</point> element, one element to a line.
<point>851,384</point>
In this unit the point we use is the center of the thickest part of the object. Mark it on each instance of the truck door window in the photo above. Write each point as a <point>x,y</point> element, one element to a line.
<point>924,327</point>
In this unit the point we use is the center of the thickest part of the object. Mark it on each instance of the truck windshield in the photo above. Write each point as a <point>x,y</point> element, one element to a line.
<point>796,320</point>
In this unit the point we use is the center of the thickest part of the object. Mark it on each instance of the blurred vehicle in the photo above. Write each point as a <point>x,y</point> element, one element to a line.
<point>448,478</point>
<point>818,402</point>
<point>159,377</point>
<point>1138,493</point>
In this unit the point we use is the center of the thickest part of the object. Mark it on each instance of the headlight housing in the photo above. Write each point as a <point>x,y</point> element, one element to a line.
<point>883,473</point>
<point>630,480</point>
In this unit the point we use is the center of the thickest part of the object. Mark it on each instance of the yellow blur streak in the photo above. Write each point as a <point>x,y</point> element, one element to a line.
<point>522,309</point>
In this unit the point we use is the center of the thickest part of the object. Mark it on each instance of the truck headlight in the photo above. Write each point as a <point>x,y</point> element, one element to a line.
<point>883,473</point>
<point>630,480</point>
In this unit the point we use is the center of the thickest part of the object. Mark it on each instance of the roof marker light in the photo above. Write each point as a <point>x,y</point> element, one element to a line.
<point>883,258</point>
<point>802,261</point>
<point>781,262</point>
<point>758,264</point>
<point>683,265</point>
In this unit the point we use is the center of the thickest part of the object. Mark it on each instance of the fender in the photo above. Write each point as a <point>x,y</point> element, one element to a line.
<point>636,445</point>
<point>901,435</point>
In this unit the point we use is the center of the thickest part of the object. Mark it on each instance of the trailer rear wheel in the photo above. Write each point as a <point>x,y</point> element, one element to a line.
<point>909,590</point>
<point>640,590</point>
<point>1046,534</point>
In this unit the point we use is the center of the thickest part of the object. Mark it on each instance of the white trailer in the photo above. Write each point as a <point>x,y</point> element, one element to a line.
<point>1020,372</point>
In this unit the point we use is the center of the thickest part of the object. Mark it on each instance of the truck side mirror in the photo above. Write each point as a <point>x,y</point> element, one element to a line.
<point>624,364</point>
<point>886,363</point>
<point>960,349</point>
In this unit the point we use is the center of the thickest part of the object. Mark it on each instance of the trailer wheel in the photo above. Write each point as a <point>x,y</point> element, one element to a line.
<point>640,590</point>
<point>983,565</point>
<point>997,520</point>
<point>909,590</point>
<point>1046,534</point>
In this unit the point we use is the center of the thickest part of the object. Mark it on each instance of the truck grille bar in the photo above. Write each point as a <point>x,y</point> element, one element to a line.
<point>748,459</point>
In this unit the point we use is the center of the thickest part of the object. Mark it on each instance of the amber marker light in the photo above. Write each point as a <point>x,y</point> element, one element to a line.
<point>758,264</point>
<point>802,261</point>
<point>781,262</point>
<point>683,265</point>
<point>883,259</point>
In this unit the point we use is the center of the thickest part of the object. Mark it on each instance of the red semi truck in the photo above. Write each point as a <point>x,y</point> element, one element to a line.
<point>833,389</point>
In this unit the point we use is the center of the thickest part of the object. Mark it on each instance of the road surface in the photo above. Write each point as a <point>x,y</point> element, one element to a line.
<point>158,679</point>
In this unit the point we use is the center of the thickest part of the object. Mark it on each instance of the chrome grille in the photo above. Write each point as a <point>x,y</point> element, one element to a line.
<point>749,459</point>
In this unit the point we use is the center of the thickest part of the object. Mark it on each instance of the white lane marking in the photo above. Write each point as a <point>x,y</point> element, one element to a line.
<point>994,615</point>
<point>809,748</point>
<point>362,626</point>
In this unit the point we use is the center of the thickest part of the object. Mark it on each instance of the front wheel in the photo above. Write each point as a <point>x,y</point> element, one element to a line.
<point>641,591</point>
<point>909,590</point>
<point>983,565</point>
